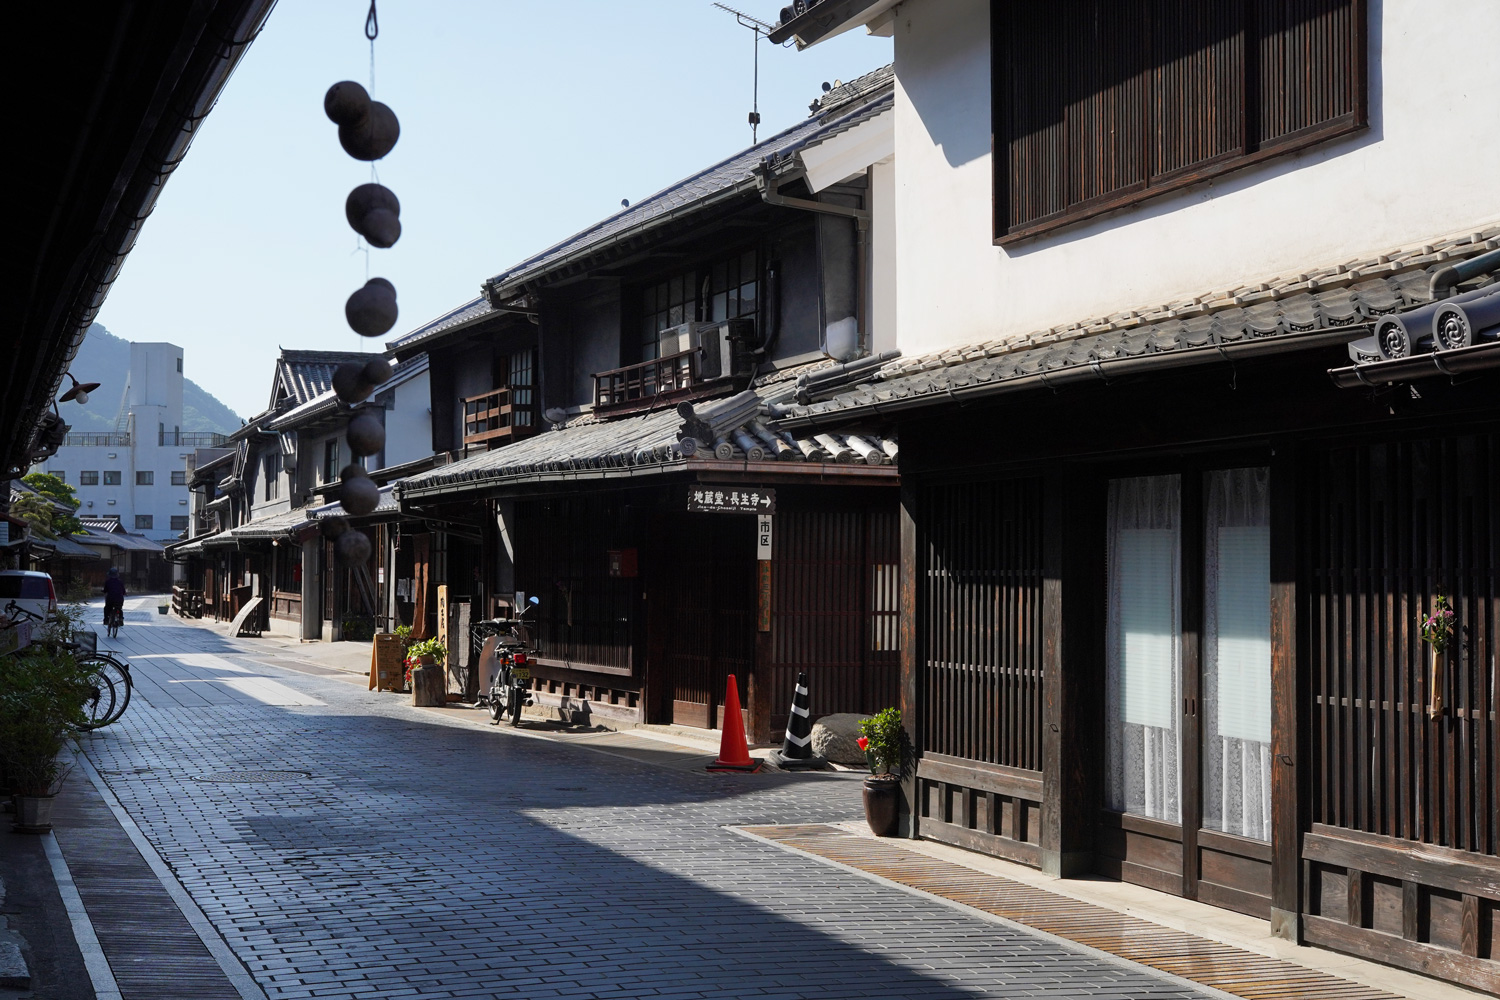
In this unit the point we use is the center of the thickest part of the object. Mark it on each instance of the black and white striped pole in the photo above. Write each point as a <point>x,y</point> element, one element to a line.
<point>796,752</point>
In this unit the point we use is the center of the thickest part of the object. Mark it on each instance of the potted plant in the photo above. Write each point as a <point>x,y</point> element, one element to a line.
<point>424,676</point>
<point>885,745</point>
<point>42,691</point>
<point>1437,631</point>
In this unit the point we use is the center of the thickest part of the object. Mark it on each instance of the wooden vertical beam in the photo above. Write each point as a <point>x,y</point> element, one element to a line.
<point>1288,709</point>
<point>910,631</point>
<point>1073,546</point>
<point>1191,756</point>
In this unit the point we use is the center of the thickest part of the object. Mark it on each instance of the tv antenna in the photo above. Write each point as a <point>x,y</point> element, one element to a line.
<point>757,28</point>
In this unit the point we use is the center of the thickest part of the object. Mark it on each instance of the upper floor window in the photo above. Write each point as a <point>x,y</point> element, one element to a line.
<point>111,477</point>
<point>179,521</point>
<point>144,521</point>
<point>331,461</point>
<point>272,476</point>
<point>1099,104</point>
<point>179,368</point>
<point>732,288</point>
<point>664,305</point>
<point>145,478</point>
<point>179,477</point>
<point>87,478</point>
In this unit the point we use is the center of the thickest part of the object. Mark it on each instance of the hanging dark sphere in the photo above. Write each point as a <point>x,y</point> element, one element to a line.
<point>366,198</point>
<point>371,311</point>
<point>374,212</point>
<point>380,228</point>
<point>332,527</point>
<point>378,371</point>
<point>365,434</point>
<point>358,494</point>
<point>374,137</point>
<point>346,103</point>
<point>353,548</point>
<point>349,383</point>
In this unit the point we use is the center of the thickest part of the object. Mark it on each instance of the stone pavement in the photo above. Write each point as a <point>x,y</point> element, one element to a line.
<point>344,844</point>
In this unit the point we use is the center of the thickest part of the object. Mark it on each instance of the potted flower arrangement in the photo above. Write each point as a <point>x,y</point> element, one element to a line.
<point>1437,631</point>
<point>42,691</point>
<point>422,674</point>
<point>886,749</point>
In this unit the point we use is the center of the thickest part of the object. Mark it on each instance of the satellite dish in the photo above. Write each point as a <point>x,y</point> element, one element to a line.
<point>624,202</point>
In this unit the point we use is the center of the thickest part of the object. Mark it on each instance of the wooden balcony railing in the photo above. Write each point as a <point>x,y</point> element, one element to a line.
<point>493,418</point>
<point>633,384</point>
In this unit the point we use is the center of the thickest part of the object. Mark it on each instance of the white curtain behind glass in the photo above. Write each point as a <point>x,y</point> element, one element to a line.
<point>1144,647</point>
<point>1237,653</point>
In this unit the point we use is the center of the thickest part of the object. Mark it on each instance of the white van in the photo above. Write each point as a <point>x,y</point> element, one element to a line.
<point>30,590</point>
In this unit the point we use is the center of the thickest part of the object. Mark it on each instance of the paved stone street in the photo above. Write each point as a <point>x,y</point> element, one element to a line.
<point>426,856</point>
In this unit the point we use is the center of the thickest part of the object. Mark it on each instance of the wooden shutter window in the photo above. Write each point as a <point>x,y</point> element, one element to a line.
<point>1098,104</point>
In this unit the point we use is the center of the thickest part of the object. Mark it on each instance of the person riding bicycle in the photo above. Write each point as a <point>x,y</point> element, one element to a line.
<point>114,596</point>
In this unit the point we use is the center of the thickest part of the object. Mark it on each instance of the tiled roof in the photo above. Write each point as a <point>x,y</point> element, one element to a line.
<point>387,505</point>
<point>327,402</point>
<point>655,442</point>
<point>306,374</point>
<point>1333,297</point>
<point>469,312</point>
<point>729,176</point>
<point>272,526</point>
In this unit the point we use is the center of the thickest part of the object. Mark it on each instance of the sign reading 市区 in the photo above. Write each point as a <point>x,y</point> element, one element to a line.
<point>735,500</point>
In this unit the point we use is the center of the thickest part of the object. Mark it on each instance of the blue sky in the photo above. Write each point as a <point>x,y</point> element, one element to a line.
<point>521,123</point>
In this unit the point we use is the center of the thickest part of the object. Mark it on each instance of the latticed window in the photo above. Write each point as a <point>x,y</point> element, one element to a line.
<point>1101,103</point>
<point>666,304</point>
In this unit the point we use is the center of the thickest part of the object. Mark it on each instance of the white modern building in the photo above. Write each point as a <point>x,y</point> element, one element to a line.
<point>137,472</point>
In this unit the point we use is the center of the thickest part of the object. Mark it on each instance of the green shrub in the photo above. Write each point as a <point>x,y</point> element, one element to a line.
<point>427,647</point>
<point>885,743</point>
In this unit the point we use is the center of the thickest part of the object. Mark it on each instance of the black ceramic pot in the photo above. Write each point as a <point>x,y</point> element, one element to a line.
<point>883,805</point>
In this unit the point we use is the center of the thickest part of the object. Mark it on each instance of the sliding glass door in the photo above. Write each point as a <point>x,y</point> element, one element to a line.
<point>1188,685</point>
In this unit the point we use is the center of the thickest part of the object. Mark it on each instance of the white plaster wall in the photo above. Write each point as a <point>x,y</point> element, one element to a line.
<point>408,427</point>
<point>1426,167</point>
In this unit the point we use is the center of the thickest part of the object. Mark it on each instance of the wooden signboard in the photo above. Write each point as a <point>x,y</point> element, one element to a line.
<point>734,500</point>
<point>241,625</point>
<point>442,614</point>
<point>387,663</point>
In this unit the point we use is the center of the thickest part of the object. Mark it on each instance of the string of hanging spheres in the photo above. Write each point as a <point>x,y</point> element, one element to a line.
<point>368,130</point>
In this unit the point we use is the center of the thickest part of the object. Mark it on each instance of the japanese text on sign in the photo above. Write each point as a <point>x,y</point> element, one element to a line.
<point>732,501</point>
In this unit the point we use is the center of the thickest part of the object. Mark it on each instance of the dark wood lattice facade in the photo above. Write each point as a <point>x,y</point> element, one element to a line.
<point>1379,773</point>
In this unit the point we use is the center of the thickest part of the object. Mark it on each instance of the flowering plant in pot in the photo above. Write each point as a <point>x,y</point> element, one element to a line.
<point>1437,631</point>
<point>426,656</point>
<point>887,750</point>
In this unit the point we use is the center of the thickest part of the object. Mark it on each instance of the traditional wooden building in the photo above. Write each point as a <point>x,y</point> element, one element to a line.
<point>610,407</point>
<point>255,530</point>
<point>1169,521</point>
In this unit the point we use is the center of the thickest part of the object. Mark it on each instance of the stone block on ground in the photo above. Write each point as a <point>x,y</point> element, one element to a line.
<point>834,736</point>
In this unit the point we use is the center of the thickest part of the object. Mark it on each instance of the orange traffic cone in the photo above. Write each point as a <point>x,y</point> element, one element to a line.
<point>734,752</point>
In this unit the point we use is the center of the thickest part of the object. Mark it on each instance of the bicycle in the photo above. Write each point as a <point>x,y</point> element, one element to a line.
<point>114,620</point>
<point>110,683</point>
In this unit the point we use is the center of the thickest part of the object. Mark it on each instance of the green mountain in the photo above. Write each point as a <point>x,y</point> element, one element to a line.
<point>101,356</point>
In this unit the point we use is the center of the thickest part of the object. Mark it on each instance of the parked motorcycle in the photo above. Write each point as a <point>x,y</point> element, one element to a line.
<point>505,659</point>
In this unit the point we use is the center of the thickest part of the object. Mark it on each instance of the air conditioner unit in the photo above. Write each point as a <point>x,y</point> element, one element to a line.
<point>679,338</point>
<point>726,348</point>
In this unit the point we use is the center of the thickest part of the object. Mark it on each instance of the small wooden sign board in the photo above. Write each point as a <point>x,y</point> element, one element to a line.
<point>387,663</point>
<point>241,625</point>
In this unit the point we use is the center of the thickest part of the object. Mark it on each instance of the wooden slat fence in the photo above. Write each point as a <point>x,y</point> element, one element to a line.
<point>981,659</point>
<point>1389,528</point>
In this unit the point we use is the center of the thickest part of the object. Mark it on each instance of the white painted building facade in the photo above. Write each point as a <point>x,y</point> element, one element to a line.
<point>137,472</point>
